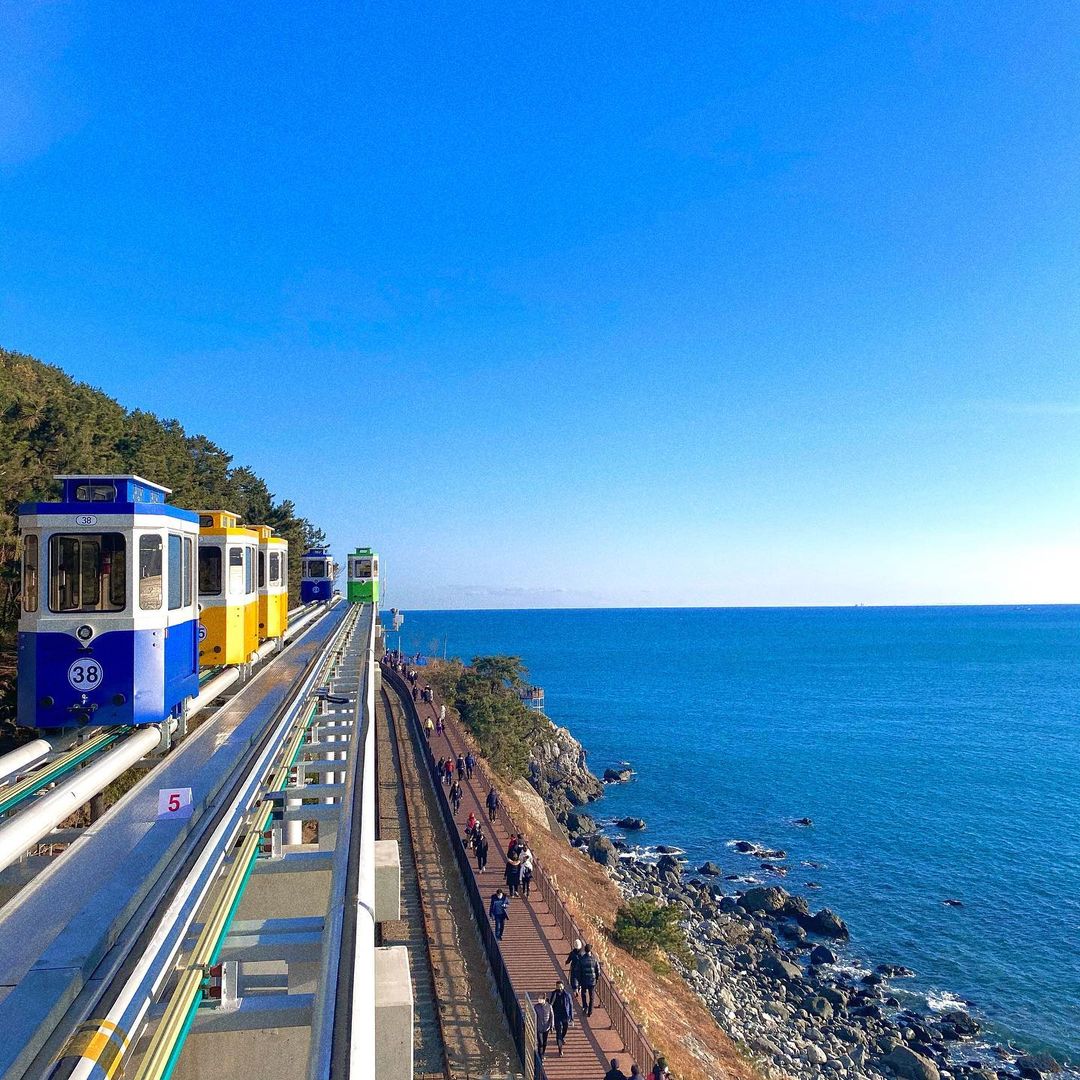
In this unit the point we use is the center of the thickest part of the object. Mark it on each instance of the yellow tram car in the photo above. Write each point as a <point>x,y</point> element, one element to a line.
<point>228,590</point>
<point>273,583</point>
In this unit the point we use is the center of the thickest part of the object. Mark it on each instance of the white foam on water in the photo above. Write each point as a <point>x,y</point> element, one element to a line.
<point>943,1001</point>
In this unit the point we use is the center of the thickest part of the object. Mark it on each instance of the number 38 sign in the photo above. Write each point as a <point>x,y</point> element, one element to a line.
<point>174,803</point>
<point>85,674</point>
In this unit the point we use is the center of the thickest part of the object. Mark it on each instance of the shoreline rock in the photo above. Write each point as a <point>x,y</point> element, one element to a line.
<point>767,967</point>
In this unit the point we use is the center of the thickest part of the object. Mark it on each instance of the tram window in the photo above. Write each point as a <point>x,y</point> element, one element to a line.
<point>95,493</point>
<point>236,571</point>
<point>209,571</point>
<point>363,568</point>
<point>30,574</point>
<point>275,568</point>
<point>150,572</point>
<point>262,569</point>
<point>189,580</point>
<point>375,568</point>
<point>249,571</point>
<point>87,572</point>
<point>317,568</point>
<point>206,521</point>
<point>176,572</point>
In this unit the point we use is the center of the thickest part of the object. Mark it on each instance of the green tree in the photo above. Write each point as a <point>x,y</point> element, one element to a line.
<point>648,929</point>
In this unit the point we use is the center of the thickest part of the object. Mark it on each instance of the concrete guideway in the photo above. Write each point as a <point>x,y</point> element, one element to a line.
<point>68,934</point>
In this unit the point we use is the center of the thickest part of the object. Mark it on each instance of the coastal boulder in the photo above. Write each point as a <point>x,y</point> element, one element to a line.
<point>602,850</point>
<point>909,1065</point>
<point>633,824</point>
<point>783,970</point>
<point>618,776</point>
<point>1035,1065</point>
<point>895,971</point>
<point>668,867</point>
<point>822,954</point>
<point>709,868</point>
<point>826,923</point>
<point>961,1022</point>
<point>577,822</point>
<point>769,899</point>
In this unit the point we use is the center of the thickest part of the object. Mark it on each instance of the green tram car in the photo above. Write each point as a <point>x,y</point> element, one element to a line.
<point>363,577</point>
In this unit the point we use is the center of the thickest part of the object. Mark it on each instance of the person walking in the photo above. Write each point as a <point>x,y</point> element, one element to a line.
<point>660,1070</point>
<point>455,796</point>
<point>461,766</point>
<point>571,963</point>
<point>526,879</point>
<point>513,874</point>
<point>588,972</point>
<point>499,910</point>
<point>635,1072</point>
<point>615,1073</point>
<point>480,848</point>
<point>470,827</point>
<point>545,1022</point>
<point>470,764</point>
<point>562,1008</point>
<point>429,727</point>
<point>492,802</point>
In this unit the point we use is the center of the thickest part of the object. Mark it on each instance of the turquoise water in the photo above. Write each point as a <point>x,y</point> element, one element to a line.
<point>937,751</point>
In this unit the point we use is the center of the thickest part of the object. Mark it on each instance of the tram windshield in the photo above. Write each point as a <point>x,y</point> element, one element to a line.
<point>275,568</point>
<point>363,568</point>
<point>209,571</point>
<point>87,572</point>
<point>316,568</point>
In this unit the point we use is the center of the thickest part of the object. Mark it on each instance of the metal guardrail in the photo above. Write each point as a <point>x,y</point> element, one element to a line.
<point>634,1039</point>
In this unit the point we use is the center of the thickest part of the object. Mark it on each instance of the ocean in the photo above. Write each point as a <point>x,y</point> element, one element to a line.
<point>937,751</point>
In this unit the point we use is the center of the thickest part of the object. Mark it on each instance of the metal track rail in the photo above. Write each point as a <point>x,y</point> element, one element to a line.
<point>415,902</point>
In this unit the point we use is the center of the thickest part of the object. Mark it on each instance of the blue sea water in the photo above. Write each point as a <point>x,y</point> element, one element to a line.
<point>937,751</point>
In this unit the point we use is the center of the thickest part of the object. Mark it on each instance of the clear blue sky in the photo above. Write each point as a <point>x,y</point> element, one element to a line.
<point>575,304</point>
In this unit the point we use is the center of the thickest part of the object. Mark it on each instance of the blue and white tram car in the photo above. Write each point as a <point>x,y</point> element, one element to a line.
<point>108,626</point>
<point>317,573</point>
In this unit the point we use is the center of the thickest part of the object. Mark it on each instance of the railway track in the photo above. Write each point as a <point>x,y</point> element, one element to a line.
<point>459,1031</point>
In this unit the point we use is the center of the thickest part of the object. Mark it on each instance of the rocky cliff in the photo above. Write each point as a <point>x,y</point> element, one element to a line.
<point>559,772</point>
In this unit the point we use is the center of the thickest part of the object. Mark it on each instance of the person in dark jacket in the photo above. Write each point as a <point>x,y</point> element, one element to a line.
<point>545,1023</point>
<point>461,767</point>
<point>562,1008</point>
<point>588,972</point>
<point>455,796</point>
<point>480,849</point>
<point>499,910</point>
<point>513,874</point>
<point>659,1070</point>
<point>614,1073</point>
<point>470,764</point>
<point>571,962</point>
<point>492,802</point>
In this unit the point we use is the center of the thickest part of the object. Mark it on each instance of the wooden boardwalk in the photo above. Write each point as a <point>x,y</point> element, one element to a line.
<point>533,947</point>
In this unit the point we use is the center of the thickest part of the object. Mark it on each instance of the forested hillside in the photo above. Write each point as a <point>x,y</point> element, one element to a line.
<point>51,424</point>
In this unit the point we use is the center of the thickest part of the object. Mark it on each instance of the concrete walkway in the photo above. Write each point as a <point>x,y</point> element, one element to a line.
<point>533,946</point>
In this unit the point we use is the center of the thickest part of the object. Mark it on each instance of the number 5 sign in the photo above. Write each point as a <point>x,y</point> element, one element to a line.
<point>174,803</point>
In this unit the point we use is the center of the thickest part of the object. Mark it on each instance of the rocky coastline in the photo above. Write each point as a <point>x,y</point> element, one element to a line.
<point>771,969</point>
